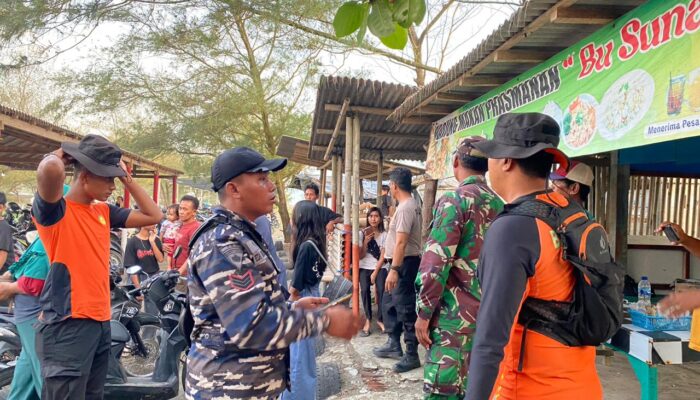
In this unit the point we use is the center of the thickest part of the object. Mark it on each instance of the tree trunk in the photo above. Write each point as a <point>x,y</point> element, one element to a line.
<point>417,46</point>
<point>282,209</point>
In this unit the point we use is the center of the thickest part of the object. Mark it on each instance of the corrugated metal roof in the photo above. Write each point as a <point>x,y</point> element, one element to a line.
<point>533,28</point>
<point>396,141</point>
<point>24,139</point>
<point>296,150</point>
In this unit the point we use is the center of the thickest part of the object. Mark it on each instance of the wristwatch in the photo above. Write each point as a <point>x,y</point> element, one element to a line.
<point>395,267</point>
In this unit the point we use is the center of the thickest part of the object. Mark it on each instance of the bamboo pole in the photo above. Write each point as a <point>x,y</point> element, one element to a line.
<point>356,199</point>
<point>347,204</point>
<point>323,187</point>
<point>334,182</point>
<point>380,173</point>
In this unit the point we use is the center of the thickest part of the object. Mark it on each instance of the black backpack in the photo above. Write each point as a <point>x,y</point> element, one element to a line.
<point>595,313</point>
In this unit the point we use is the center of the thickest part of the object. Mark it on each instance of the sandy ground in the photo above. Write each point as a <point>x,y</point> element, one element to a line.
<point>366,377</point>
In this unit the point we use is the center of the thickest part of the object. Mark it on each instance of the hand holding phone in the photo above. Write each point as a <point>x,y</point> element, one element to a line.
<point>671,234</point>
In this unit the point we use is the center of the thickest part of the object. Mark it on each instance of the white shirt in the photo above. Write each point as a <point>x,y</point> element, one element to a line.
<point>368,261</point>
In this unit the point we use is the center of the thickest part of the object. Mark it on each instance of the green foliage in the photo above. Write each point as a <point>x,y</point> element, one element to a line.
<point>348,19</point>
<point>396,40</point>
<point>388,20</point>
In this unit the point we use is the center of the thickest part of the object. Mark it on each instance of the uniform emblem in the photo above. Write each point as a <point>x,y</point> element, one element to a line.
<point>243,281</point>
<point>102,220</point>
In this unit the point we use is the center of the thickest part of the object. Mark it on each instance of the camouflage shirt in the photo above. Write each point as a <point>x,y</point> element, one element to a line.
<point>243,324</point>
<point>447,277</point>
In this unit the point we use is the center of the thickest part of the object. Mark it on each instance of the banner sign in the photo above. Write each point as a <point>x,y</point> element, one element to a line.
<point>634,82</point>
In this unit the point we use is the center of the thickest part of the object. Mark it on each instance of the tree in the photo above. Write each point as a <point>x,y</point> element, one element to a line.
<point>221,77</point>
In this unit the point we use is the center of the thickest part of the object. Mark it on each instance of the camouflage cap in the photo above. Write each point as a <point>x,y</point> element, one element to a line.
<point>466,147</point>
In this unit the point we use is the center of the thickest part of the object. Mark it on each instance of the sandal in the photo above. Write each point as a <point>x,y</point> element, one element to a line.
<point>365,333</point>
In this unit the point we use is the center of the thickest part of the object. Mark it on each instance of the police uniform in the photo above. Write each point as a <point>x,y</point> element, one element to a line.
<point>243,323</point>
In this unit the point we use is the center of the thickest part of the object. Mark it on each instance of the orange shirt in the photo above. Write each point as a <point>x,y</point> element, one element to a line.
<point>77,239</point>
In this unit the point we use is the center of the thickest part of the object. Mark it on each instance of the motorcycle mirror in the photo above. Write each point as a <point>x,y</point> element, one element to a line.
<point>134,269</point>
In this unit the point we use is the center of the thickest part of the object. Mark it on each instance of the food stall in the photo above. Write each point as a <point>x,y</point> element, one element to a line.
<point>627,98</point>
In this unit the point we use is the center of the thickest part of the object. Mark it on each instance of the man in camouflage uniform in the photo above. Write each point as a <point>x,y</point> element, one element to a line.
<point>243,324</point>
<point>449,294</point>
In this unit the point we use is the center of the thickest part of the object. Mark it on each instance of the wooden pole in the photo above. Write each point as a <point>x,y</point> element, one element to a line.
<point>347,203</point>
<point>356,199</point>
<point>618,207</point>
<point>380,173</point>
<point>334,182</point>
<point>429,194</point>
<point>323,187</point>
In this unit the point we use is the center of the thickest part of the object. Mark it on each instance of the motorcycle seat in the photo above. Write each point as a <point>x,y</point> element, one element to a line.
<point>119,332</point>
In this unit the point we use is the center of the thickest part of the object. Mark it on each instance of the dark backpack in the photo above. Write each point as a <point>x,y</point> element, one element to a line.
<point>595,312</point>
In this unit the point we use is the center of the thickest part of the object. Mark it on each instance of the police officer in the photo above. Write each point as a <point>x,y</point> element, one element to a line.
<point>243,324</point>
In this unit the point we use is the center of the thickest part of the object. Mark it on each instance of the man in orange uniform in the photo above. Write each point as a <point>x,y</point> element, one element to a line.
<point>73,335</point>
<point>522,257</point>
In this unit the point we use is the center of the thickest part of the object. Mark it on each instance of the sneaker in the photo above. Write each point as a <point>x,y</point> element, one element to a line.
<point>410,361</point>
<point>390,349</point>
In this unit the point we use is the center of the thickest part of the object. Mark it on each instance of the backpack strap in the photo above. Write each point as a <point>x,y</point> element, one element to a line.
<point>536,209</point>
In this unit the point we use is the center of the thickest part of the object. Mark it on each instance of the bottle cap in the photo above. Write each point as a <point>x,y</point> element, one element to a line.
<point>645,278</point>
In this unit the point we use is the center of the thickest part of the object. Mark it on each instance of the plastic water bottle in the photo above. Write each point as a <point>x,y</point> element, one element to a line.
<point>644,292</point>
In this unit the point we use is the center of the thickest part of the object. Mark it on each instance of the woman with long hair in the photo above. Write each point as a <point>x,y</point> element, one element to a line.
<point>371,262</point>
<point>308,253</point>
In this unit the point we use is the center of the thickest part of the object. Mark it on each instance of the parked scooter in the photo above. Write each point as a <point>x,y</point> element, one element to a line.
<point>164,381</point>
<point>143,346</point>
<point>10,346</point>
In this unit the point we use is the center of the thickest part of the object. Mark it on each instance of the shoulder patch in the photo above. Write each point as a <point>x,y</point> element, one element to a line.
<point>243,281</point>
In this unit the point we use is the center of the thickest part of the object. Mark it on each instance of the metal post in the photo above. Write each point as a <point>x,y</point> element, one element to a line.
<point>156,186</point>
<point>323,187</point>
<point>127,195</point>
<point>334,182</point>
<point>347,203</point>
<point>356,199</point>
<point>174,190</point>
<point>380,173</point>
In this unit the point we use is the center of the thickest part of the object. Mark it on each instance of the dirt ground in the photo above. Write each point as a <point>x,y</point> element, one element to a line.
<point>366,377</point>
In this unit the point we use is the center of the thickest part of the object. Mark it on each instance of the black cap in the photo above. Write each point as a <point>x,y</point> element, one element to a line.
<point>97,154</point>
<point>241,160</point>
<point>521,135</point>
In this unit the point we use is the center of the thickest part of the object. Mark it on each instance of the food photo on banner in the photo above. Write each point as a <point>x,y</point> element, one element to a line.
<point>632,83</point>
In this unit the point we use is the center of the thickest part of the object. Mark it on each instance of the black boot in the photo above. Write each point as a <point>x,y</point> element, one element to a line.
<point>390,349</point>
<point>410,361</point>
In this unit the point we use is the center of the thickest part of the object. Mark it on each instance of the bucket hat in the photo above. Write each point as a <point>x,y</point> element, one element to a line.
<point>97,154</point>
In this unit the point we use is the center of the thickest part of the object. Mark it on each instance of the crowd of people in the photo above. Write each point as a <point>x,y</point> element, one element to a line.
<point>463,295</point>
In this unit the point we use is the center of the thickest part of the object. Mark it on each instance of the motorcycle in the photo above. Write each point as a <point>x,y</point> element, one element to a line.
<point>143,346</point>
<point>163,382</point>
<point>10,347</point>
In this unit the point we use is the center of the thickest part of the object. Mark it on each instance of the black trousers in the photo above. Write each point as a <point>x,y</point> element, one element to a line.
<point>404,301</point>
<point>74,356</point>
<point>379,293</point>
<point>365,291</point>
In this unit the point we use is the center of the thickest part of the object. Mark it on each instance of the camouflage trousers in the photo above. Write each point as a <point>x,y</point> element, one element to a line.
<point>446,365</point>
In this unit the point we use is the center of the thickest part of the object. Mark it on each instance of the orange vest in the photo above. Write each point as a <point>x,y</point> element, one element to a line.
<point>551,370</point>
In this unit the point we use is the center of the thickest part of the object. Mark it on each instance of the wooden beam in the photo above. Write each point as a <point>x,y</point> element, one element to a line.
<point>378,135</point>
<point>454,98</point>
<point>508,44</point>
<point>27,149</point>
<point>483,81</point>
<point>521,56</point>
<point>583,16</point>
<point>343,109</point>
<point>418,121</point>
<point>435,110</point>
<point>360,109</point>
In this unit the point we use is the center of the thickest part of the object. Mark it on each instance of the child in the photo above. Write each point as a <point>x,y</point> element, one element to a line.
<point>168,231</point>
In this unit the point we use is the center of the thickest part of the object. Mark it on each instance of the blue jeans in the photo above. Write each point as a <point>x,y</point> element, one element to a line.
<point>303,363</point>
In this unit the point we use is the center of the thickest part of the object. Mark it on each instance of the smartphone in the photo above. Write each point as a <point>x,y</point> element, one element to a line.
<point>337,301</point>
<point>671,234</point>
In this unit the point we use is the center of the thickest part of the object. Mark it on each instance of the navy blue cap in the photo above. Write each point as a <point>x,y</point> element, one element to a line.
<point>241,160</point>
